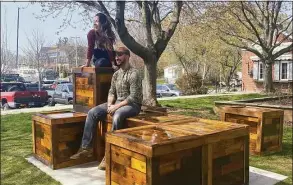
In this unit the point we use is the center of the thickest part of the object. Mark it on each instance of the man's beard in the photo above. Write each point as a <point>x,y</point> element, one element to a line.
<point>121,63</point>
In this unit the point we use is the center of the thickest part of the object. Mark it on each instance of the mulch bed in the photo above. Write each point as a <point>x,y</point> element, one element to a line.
<point>281,102</point>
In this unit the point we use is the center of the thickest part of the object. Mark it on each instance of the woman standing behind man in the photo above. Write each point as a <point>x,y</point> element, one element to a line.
<point>100,43</point>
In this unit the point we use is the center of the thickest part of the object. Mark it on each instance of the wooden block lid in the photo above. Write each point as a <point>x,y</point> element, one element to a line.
<point>153,140</point>
<point>205,127</point>
<point>59,117</point>
<point>93,70</point>
<point>155,118</point>
<point>249,111</point>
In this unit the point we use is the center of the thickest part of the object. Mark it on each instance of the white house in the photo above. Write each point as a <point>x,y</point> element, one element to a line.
<point>171,73</point>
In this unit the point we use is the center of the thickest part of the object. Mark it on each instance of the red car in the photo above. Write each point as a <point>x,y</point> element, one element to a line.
<point>15,95</point>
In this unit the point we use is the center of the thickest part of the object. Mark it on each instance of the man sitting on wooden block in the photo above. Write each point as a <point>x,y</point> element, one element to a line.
<point>124,101</point>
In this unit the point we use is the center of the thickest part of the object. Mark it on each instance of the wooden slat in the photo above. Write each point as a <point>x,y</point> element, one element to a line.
<point>71,130</point>
<point>169,167</point>
<point>241,118</point>
<point>85,87</point>
<point>132,175</point>
<point>246,160</point>
<point>33,136</point>
<point>230,179</point>
<point>138,165</point>
<point>85,93</point>
<point>81,81</point>
<point>227,164</point>
<point>108,151</point>
<point>227,147</point>
<point>120,158</point>
<point>129,153</point>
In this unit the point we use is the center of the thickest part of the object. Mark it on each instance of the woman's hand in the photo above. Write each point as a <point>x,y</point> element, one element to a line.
<point>87,64</point>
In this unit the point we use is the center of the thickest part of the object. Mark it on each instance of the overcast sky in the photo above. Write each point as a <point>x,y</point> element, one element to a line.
<point>28,22</point>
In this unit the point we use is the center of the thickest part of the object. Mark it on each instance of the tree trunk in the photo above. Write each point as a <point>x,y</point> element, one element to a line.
<point>149,81</point>
<point>203,75</point>
<point>268,77</point>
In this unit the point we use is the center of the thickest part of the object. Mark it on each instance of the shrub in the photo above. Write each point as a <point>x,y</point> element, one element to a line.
<point>191,84</point>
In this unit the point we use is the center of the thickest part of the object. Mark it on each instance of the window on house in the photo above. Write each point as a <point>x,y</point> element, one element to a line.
<point>284,70</point>
<point>261,70</point>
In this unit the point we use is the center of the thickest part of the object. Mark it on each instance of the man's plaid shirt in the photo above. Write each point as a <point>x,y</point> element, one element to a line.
<point>126,85</point>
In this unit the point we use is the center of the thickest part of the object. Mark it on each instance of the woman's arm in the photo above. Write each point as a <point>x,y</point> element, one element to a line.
<point>91,46</point>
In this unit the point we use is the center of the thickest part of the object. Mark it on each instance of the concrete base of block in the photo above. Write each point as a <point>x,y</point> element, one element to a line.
<point>90,175</point>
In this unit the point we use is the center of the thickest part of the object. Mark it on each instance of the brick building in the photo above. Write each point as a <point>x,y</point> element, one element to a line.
<point>253,71</point>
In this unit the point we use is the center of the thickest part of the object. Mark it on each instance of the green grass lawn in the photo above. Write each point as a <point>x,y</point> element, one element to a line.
<point>202,107</point>
<point>16,144</point>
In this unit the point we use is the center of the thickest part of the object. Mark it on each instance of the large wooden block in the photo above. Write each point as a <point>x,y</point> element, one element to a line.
<point>91,87</point>
<point>144,156</point>
<point>177,154</point>
<point>225,154</point>
<point>265,126</point>
<point>57,136</point>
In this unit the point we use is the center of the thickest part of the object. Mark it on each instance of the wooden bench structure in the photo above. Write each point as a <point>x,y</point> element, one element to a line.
<point>265,126</point>
<point>156,148</point>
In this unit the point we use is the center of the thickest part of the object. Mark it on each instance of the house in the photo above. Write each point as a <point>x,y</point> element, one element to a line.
<point>253,70</point>
<point>172,72</point>
<point>53,56</point>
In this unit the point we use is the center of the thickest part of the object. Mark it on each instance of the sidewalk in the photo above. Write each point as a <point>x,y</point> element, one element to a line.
<point>37,109</point>
<point>63,107</point>
<point>205,95</point>
<point>90,175</point>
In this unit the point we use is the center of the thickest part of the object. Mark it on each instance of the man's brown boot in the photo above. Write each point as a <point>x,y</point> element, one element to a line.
<point>82,152</point>
<point>102,165</point>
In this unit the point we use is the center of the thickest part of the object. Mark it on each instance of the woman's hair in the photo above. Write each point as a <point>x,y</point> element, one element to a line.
<point>105,32</point>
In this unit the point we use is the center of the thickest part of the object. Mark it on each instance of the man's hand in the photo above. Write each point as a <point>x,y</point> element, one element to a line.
<point>112,108</point>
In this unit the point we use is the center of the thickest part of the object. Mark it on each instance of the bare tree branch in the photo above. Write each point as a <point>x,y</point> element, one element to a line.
<point>252,26</point>
<point>256,52</point>
<point>282,51</point>
<point>124,35</point>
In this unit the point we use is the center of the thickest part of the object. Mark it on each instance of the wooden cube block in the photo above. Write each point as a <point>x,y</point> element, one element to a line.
<point>168,154</point>
<point>265,126</point>
<point>91,87</point>
<point>57,136</point>
<point>152,156</point>
<point>225,155</point>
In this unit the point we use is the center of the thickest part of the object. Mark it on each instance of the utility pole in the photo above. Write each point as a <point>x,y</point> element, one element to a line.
<point>75,50</point>
<point>17,37</point>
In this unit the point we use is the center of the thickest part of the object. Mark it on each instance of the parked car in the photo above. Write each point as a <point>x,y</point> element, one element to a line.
<point>63,94</point>
<point>167,90</point>
<point>56,82</point>
<point>16,95</point>
<point>11,78</point>
<point>47,83</point>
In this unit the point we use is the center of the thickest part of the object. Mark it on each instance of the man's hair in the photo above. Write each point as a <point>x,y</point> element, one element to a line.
<point>123,50</point>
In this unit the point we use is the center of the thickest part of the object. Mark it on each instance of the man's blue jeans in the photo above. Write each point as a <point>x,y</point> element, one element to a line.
<point>99,113</point>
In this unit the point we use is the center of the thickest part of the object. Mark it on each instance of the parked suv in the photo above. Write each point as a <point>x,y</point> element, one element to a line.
<point>167,90</point>
<point>63,94</point>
